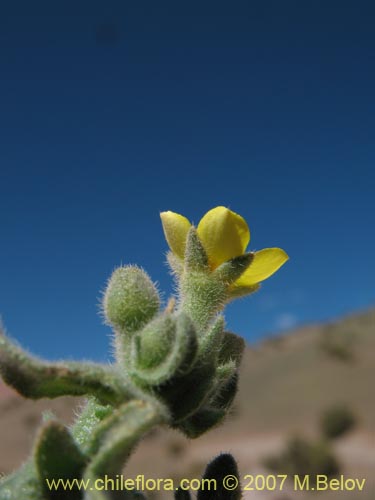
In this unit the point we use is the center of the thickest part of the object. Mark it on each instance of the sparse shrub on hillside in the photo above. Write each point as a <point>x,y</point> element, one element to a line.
<point>303,457</point>
<point>337,344</point>
<point>274,342</point>
<point>337,421</point>
<point>176,447</point>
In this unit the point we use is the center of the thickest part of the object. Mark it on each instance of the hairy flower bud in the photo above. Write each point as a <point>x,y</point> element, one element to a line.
<point>131,299</point>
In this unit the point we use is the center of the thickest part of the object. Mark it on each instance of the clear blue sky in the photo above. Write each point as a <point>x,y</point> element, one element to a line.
<point>111,112</point>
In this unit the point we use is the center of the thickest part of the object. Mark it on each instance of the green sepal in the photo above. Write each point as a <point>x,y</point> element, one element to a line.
<point>34,378</point>
<point>166,348</point>
<point>225,371</point>
<point>195,255</point>
<point>202,297</point>
<point>219,469</point>
<point>210,342</point>
<point>57,456</point>
<point>232,269</point>
<point>225,393</point>
<point>175,263</point>
<point>232,348</point>
<point>202,421</point>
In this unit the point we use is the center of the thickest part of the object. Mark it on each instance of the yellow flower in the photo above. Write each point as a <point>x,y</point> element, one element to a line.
<point>224,235</point>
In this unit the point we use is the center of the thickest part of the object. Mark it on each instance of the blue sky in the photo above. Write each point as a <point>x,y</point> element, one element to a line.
<point>112,112</point>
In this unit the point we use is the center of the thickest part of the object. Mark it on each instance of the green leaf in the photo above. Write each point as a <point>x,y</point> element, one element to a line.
<point>214,410</point>
<point>186,394</point>
<point>24,484</point>
<point>173,338</point>
<point>34,378</point>
<point>220,469</point>
<point>57,456</point>
<point>113,441</point>
<point>232,269</point>
<point>181,494</point>
<point>114,438</point>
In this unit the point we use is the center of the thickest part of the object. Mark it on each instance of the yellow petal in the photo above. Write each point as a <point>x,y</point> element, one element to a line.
<point>176,228</point>
<point>224,235</point>
<point>265,263</point>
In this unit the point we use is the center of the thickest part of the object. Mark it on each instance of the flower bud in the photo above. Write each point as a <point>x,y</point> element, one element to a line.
<point>155,342</point>
<point>131,299</point>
